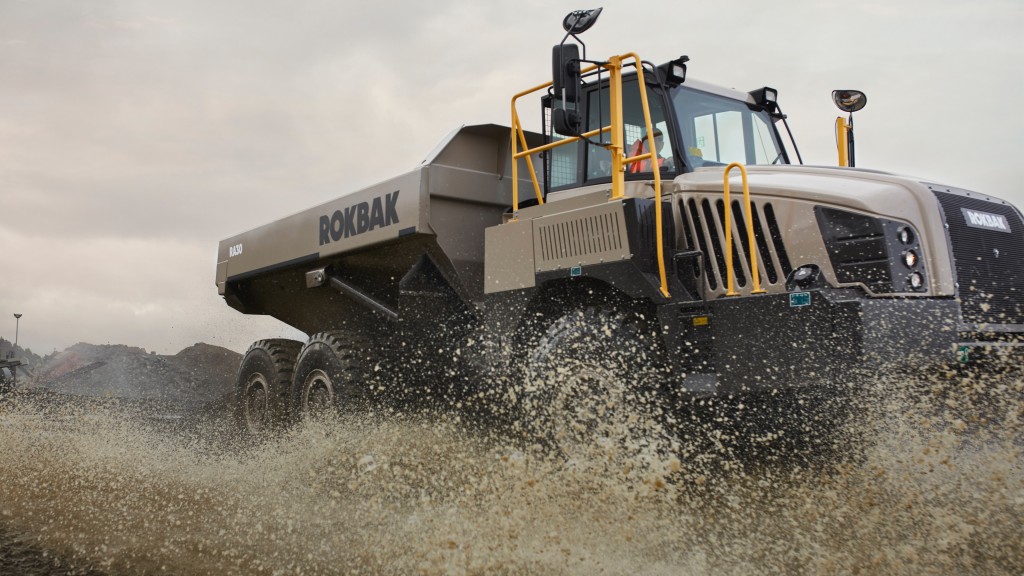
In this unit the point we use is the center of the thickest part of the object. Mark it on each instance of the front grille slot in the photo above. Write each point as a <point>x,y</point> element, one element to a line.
<point>700,231</point>
<point>737,260</point>
<point>767,267</point>
<point>776,232</point>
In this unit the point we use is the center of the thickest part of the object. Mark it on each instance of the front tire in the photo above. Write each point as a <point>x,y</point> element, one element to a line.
<point>262,384</point>
<point>592,381</point>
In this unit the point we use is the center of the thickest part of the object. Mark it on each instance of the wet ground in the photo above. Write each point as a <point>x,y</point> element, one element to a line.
<point>931,482</point>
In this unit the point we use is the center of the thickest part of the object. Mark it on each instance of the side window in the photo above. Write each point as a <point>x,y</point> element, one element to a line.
<point>733,136</point>
<point>599,160</point>
<point>564,161</point>
<point>765,151</point>
<point>635,139</point>
<point>719,137</point>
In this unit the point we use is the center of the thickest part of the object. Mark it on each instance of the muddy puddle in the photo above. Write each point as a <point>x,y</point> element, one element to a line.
<point>931,483</point>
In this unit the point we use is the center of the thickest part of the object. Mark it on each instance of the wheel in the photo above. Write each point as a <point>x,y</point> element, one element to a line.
<point>330,375</point>
<point>592,380</point>
<point>262,385</point>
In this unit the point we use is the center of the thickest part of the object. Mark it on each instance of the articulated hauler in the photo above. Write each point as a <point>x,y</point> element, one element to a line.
<point>659,234</point>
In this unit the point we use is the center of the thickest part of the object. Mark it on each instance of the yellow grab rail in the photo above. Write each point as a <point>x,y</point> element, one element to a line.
<point>751,241</point>
<point>619,161</point>
<point>842,136</point>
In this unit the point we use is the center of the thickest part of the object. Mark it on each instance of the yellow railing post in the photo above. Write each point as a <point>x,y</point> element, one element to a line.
<point>656,168</point>
<point>842,137</point>
<point>618,132</point>
<point>751,241</point>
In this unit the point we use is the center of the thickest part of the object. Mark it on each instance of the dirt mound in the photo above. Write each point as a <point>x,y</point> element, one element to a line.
<point>197,375</point>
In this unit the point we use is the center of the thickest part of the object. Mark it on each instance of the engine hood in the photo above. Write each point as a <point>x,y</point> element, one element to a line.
<point>881,194</point>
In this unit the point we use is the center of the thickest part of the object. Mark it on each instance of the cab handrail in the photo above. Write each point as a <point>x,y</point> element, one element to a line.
<point>616,148</point>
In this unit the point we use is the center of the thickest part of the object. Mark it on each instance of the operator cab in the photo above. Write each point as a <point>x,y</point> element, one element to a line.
<point>697,124</point>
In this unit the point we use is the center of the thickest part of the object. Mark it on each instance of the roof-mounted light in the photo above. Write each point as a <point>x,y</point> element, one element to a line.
<point>674,72</point>
<point>767,98</point>
<point>677,69</point>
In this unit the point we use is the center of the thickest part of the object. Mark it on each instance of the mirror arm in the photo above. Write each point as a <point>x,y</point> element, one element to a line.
<point>791,139</point>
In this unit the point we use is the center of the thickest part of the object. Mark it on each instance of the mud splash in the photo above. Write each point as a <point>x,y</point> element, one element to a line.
<point>937,487</point>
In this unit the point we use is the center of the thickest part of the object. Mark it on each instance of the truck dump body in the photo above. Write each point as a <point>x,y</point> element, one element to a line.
<point>373,238</point>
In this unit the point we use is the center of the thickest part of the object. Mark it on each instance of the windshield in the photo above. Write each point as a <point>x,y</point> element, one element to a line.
<point>717,130</point>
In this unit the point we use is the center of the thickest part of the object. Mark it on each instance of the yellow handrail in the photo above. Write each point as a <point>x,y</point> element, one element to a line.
<point>519,137</point>
<point>653,155</point>
<point>842,136</point>
<point>619,161</point>
<point>751,241</point>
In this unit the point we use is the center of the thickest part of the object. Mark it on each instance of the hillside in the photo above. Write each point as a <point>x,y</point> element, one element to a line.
<point>198,374</point>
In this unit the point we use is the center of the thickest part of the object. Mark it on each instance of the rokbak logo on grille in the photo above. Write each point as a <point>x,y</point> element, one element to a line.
<point>984,220</point>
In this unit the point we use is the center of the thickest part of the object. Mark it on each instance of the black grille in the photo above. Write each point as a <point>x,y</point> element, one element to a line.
<point>857,247</point>
<point>645,250</point>
<point>703,229</point>
<point>776,232</point>
<point>989,260</point>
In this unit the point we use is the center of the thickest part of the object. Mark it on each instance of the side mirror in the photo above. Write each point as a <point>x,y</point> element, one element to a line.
<point>565,72</point>
<point>566,122</point>
<point>580,21</point>
<point>565,68</point>
<point>849,100</point>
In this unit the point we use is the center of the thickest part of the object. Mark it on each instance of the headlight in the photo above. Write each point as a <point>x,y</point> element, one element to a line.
<point>910,258</point>
<point>916,281</point>
<point>905,235</point>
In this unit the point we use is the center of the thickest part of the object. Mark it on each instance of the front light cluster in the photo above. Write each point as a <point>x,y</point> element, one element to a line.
<point>911,259</point>
<point>884,256</point>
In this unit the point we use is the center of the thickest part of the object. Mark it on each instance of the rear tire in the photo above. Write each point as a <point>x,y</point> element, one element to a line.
<point>330,375</point>
<point>262,384</point>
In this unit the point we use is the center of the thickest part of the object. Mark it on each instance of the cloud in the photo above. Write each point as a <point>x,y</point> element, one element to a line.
<point>134,135</point>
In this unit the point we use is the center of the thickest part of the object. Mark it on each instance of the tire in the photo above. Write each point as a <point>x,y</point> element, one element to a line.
<point>263,384</point>
<point>592,380</point>
<point>330,375</point>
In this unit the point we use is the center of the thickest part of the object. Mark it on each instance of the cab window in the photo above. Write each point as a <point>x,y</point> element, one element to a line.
<point>599,160</point>
<point>718,130</point>
<point>564,162</point>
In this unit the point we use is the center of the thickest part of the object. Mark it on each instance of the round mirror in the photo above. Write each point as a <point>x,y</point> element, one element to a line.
<point>849,100</point>
<point>580,20</point>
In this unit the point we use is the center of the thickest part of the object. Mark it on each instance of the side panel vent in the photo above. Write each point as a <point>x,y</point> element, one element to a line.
<point>586,236</point>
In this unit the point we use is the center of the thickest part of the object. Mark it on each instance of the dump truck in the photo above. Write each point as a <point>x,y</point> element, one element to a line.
<point>658,236</point>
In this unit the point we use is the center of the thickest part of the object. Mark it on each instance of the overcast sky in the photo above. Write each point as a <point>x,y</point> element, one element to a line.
<point>134,135</point>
